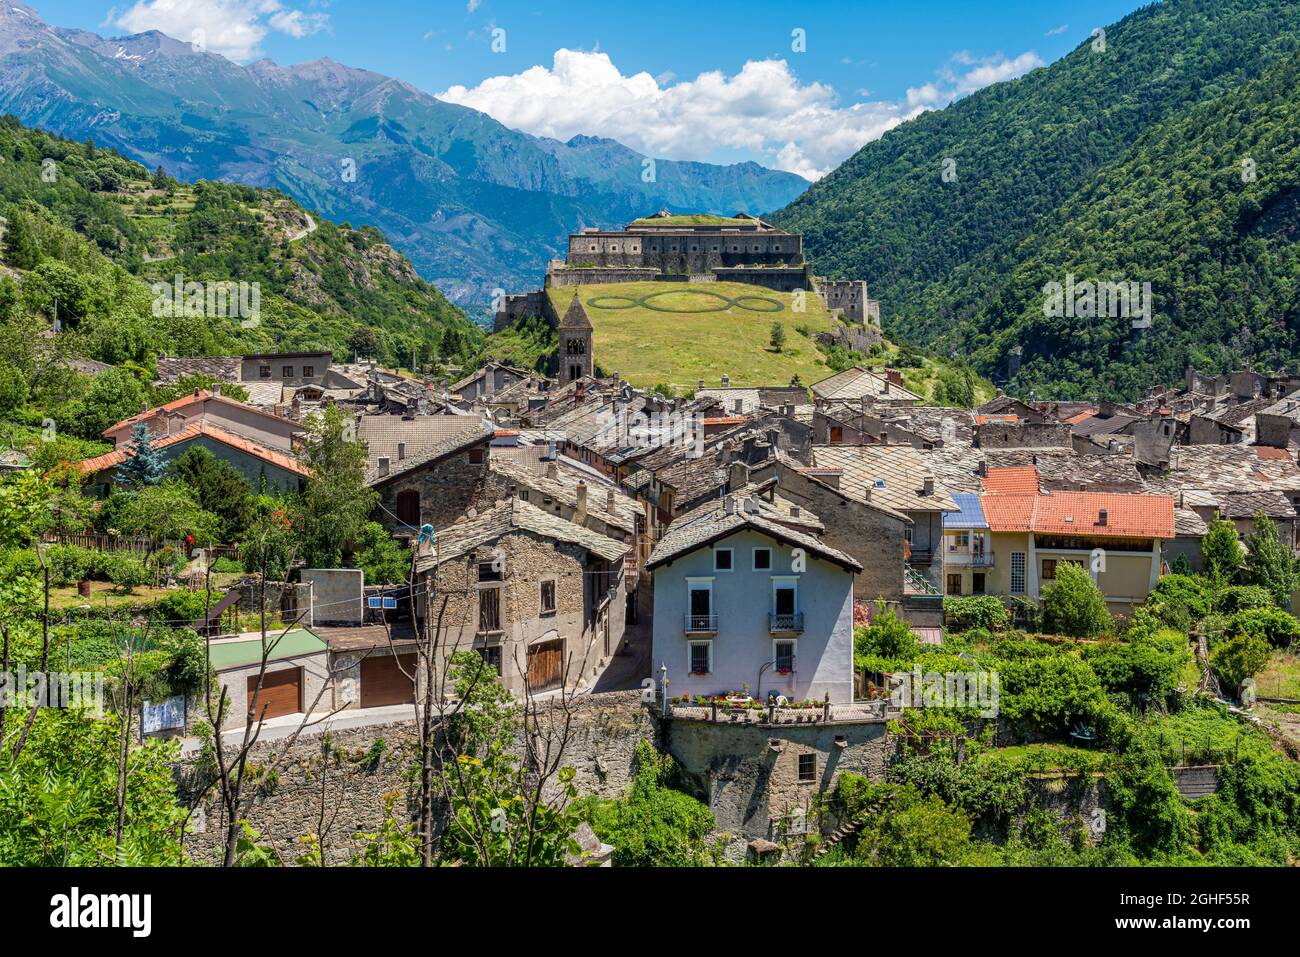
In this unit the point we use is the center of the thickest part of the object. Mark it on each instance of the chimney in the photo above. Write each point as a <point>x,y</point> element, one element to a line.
<point>866,494</point>
<point>580,514</point>
<point>552,470</point>
<point>197,392</point>
<point>982,468</point>
<point>699,386</point>
<point>795,511</point>
<point>401,451</point>
<point>884,438</point>
<point>383,465</point>
<point>726,380</point>
<point>886,387</point>
<point>729,505</point>
<point>609,501</point>
<point>927,487</point>
<point>1102,516</point>
<point>216,390</point>
<point>737,475</point>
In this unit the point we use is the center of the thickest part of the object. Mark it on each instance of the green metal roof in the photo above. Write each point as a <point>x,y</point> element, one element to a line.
<point>241,653</point>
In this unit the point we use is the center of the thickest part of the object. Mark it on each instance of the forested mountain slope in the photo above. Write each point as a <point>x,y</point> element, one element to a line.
<point>943,252</point>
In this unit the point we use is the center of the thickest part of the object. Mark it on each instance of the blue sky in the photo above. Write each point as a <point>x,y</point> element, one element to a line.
<point>705,79</point>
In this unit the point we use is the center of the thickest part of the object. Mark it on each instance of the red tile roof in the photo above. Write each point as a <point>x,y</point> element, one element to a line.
<point>287,462</point>
<point>1078,513</point>
<point>1008,512</point>
<point>1265,452</point>
<point>725,420</point>
<point>1081,417</point>
<point>1012,480</point>
<point>184,402</point>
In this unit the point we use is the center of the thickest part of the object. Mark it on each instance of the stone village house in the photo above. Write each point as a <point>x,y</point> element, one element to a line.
<point>745,600</point>
<point>541,598</point>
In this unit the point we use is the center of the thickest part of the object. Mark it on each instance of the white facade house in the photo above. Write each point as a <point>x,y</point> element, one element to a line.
<point>743,603</point>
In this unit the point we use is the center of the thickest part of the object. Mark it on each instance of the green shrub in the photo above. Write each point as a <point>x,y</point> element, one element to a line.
<point>181,606</point>
<point>69,564</point>
<point>1274,625</point>
<point>127,571</point>
<point>1185,593</point>
<point>1148,668</point>
<point>1074,605</point>
<point>1242,597</point>
<point>226,565</point>
<point>888,636</point>
<point>962,613</point>
<point>1240,657</point>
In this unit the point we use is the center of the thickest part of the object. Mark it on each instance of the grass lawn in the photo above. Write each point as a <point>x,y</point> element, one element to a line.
<point>1204,732</point>
<point>1049,756</point>
<point>691,219</point>
<point>105,595</point>
<point>1281,679</point>
<point>703,335</point>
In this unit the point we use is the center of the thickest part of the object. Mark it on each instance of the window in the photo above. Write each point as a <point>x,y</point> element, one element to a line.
<point>954,584</point>
<point>408,507</point>
<point>264,372</point>
<point>807,768</point>
<point>701,657</point>
<point>960,540</point>
<point>1017,573</point>
<point>722,558</point>
<point>783,657</point>
<point>785,600</point>
<point>492,656</point>
<point>489,610</point>
<point>700,603</point>
<point>476,455</point>
<point>286,371</point>
<point>548,598</point>
<point>308,371</point>
<point>523,495</point>
<point>490,571</point>
<point>762,559</point>
<point>837,434</point>
<point>1049,569</point>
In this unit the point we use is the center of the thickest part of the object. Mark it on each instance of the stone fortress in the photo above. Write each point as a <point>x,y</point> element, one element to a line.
<point>693,248</point>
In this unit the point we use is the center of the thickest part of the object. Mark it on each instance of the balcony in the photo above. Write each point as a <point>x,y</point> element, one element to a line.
<point>701,624</point>
<point>920,556</point>
<point>969,559</point>
<point>785,624</point>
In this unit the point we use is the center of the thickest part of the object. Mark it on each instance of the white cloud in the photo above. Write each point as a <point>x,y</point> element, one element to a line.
<point>232,28</point>
<point>1055,31</point>
<point>763,111</point>
<point>472,5</point>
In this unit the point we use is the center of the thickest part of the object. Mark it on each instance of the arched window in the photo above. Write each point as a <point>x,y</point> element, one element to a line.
<point>408,506</point>
<point>576,347</point>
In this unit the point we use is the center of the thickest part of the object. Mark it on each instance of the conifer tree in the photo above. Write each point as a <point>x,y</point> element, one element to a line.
<point>144,464</point>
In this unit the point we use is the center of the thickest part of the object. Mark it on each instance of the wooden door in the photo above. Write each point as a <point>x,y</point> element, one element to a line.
<point>545,665</point>
<point>387,679</point>
<point>281,693</point>
<point>408,507</point>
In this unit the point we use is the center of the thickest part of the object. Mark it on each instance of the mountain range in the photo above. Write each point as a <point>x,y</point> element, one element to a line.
<point>1164,149</point>
<point>475,205</point>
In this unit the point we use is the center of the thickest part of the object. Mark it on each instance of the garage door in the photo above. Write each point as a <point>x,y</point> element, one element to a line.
<point>545,662</point>
<point>281,693</point>
<point>387,679</point>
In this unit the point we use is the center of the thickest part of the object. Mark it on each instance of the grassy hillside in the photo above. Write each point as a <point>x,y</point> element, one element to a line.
<point>118,228</point>
<point>940,252</point>
<point>685,333</point>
